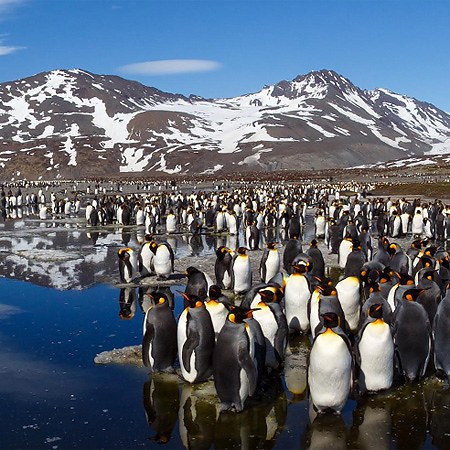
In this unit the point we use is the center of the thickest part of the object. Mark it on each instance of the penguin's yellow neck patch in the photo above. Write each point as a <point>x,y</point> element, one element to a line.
<point>232,318</point>
<point>378,322</point>
<point>329,332</point>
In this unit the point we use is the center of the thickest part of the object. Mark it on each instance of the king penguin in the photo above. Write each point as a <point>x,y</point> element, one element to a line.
<point>234,365</point>
<point>159,342</point>
<point>270,262</point>
<point>222,267</point>
<point>297,294</point>
<point>441,334</point>
<point>412,336</point>
<point>241,271</point>
<point>375,352</point>
<point>330,366</point>
<point>163,260</point>
<point>195,338</point>
<point>145,258</point>
<point>127,265</point>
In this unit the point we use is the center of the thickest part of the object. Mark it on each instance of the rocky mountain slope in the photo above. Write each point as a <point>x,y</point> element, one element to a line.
<point>74,124</point>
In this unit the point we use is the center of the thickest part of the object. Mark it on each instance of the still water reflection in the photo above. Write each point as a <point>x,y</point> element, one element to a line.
<point>52,395</point>
<point>56,397</point>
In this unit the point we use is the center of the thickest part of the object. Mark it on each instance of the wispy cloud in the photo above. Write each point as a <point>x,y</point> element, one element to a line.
<point>8,49</point>
<point>170,66</point>
<point>7,5</point>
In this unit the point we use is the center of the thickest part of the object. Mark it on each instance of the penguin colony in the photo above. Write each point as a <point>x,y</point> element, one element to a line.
<point>385,321</point>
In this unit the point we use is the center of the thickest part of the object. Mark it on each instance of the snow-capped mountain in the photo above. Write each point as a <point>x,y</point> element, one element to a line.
<point>72,123</point>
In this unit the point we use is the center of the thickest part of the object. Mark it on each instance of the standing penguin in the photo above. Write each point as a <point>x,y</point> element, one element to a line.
<point>234,365</point>
<point>355,260</point>
<point>274,327</point>
<point>297,294</point>
<point>195,337</point>
<point>330,366</point>
<point>345,247</point>
<point>222,267</point>
<point>292,249</point>
<point>127,265</point>
<point>441,334</point>
<point>270,262</point>
<point>241,271</point>
<point>159,342</point>
<point>164,258</point>
<point>375,352</point>
<point>198,283</point>
<point>252,235</point>
<point>318,262</point>
<point>349,294</point>
<point>412,336</point>
<point>145,258</point>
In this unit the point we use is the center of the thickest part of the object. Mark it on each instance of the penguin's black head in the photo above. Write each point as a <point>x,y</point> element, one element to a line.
<point>313,243</point>
<point>214,292</point>
<point>323,280</point>
<point>406,279</point>
<point>392,248</point>
<point>271,245</point>
<point>159,298</point>
<point>153,246</point>
<point>412,294</point>
<point>191,271</point>
<point>193,300</point>
<point>327,290</point>
<point>330,320</point>
<point>268,296</point>
<point>238,314</point>
<point>242,250</point>
<point>376,311</point>
<point>301,266</point>
<point>373,286</point>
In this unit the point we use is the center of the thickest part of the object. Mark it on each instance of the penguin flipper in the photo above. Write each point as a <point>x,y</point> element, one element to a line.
<point>249,366</point>
<point>146,341</point>
<point>189,346</point>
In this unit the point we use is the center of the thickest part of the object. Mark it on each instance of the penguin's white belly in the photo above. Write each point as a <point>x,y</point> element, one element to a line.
<point>269,327</point>
<point>218,314</point>
<point>348,295</point>
<point>190,376</point>
<point>314,314</point>
<point>377,356</point>
<point>162,261</point>
<point>272,265</point>
<point>242,275</point>
<point>296,296</point>
<point>171,224</point>
<point>329,372</point>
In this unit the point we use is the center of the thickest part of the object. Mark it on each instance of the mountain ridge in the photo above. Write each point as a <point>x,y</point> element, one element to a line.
<point>73,123</point>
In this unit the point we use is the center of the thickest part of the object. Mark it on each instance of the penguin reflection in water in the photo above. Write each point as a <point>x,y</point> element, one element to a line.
<point>330,370</point>
<point>234,362</point>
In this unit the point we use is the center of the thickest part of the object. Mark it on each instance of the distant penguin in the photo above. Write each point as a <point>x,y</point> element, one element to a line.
<point>171,222</point>
<point>164,258</point>
<point>159,342</point>
<point>234,362</point>
<point>140,216</point>
<point>297,294</point>
<point>252,235</point>
<point>441,335</point>
<point>195,338</point>
<point>330,366</point>
<point>345,247</point>
<point>318,262</point>
<point>222,267</point>
<point>319,225</point>
<point>270,262</point>
<point>412,336</point>
<point>145,259</point>
<point>127,265</point>
<point>241,271</point>
<point>375,352</point>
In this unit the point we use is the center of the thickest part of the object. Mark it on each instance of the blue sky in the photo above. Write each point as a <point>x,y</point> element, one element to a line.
<point>225,48</point>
